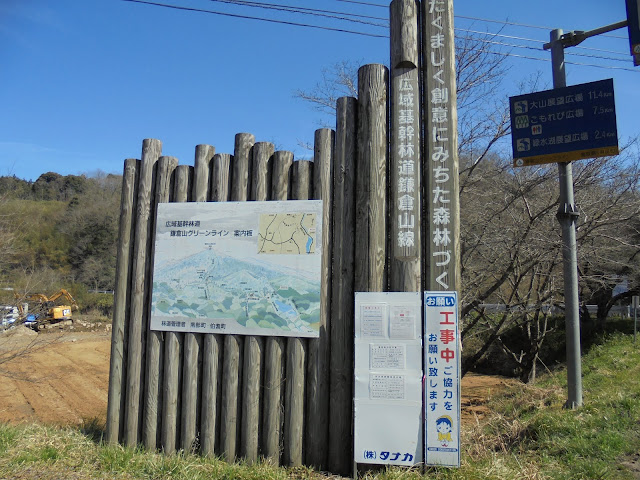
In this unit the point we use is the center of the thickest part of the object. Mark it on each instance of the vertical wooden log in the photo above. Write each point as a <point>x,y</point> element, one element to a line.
<point>342,288</point>
<point>155,344</point>
<point>252,397</point>
<point>121,302</point>
<point>302,178</point>
<point>294,402</point>
<point>139,289</point>
<point>242,167</point>
<point>279,190</point>
<point>192,365</point>
<point>273,391</point>
<point>371,182</point>
<point>221,177</point>
<point>296,347</point>
<point>261,171</point>
<point>213,344</point>
<point>405,162</point>
<point>174,343</point>
<point>317,431</point>
<point>441,178</point>
<point>253,346</point>
<point>231,375</point>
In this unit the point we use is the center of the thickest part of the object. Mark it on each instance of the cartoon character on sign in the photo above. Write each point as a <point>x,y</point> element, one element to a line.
<point>444,426</point>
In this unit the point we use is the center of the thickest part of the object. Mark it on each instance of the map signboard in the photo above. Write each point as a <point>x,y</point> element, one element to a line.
<point>249,268</point>
<point>564,124</point>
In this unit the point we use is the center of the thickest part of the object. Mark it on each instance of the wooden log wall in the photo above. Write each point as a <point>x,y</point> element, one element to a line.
<point>287,400</point>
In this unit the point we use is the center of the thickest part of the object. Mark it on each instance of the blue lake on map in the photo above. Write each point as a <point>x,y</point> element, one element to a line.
<point>285,309</point>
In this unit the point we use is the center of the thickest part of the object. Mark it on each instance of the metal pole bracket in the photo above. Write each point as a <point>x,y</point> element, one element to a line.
<point>569,211</point>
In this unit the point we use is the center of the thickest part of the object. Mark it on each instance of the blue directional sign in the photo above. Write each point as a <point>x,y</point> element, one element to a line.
<point>564,124</point>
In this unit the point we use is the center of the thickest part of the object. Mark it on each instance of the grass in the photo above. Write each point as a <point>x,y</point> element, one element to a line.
<point>529,435</point>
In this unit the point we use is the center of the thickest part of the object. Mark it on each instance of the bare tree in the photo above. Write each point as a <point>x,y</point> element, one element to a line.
<point>511,242</point>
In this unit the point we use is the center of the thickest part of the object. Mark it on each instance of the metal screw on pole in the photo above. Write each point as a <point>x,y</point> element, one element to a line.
<point>567,216</point>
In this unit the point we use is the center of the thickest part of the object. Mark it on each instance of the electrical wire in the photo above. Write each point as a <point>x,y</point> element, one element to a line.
<point>318,13</point>
<point>516,55</point>
<point>516,24</point>
<point>503,22</point>
<point>364,3</point>
<point>515,37</point>
<point>246,17</point>
<point>513,45</point>
<point>304,11</point>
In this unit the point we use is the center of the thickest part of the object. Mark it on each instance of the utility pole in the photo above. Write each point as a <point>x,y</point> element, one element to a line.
<point>568,214</point>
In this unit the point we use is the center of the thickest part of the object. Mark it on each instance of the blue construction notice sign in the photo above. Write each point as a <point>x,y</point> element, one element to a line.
<point>564,124</point>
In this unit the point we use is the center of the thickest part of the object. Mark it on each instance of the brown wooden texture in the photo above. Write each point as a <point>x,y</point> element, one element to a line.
<point>139,289</point>
<point>403,22</point>
<point>252,397</point>
<point>317,379</point>
<point>278,181</point>
<point>302,179</point>
<point>270,424</point>
<point>213,344</point>
<point>242,167</point>
<point>117,372</point>
<point>155,343</point>
<point>296,347</point>
<point>371,181</point>
<point>342,297</point>
<point>294,402</point>
<point>232,376</point>
<point>262,162</point>
<point>252,369</point>
<point>174,345</point>
<point>405,164</point>
<point>193,342</point>
<point>441,179</point>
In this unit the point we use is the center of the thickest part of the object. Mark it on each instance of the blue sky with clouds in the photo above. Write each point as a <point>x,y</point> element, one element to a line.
<point>83,82</point>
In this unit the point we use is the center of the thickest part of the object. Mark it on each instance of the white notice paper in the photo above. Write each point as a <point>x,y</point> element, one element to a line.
<point>387,356</point>
<point>388,387</point>
<point>402,323</point>
<point>373,318</point>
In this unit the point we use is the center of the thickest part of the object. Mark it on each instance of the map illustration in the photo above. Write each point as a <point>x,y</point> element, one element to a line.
<point>238,268</point>
<point>287,233</point>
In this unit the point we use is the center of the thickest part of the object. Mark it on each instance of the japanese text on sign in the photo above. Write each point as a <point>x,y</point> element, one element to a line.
<point>442,379</point>
<point>564,124</point>
<point>407,150</point>
<point>441,138</point>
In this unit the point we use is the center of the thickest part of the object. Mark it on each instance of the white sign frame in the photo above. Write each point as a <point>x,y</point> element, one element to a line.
<point>242,268</point>
<point>387,405</point>
<point>442,352</point>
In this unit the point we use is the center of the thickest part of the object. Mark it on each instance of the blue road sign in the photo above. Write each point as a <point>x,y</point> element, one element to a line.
<point>564,124</point>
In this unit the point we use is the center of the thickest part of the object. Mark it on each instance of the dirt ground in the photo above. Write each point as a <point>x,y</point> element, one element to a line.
<point>57,377</point>
<point>61,377</point>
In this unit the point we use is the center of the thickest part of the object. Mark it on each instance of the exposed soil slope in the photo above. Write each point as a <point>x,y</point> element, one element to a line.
<point>62,378</point>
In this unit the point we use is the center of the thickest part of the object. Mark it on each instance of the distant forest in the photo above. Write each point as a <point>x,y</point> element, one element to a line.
<point>58,232</point>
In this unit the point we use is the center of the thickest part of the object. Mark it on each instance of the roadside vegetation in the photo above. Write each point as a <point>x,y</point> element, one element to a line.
<point>528,435</point>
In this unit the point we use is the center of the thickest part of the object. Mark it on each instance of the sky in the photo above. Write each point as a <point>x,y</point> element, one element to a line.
<point>83,82</point>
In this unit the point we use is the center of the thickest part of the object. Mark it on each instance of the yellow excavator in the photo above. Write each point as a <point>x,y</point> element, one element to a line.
<point>44,311</point>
